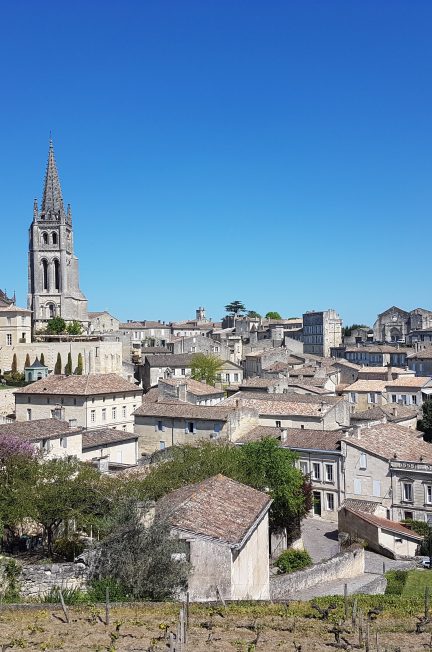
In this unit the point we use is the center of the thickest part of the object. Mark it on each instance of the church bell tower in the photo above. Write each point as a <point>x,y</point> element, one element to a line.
<point>53,276</point>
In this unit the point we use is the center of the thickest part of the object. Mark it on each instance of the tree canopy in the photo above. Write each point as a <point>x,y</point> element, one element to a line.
<point>56,326</point>
<point>273,315</point>
<point>235,307</point>
<point>206,368</point>
<point>253,314</point>
<point>74,328</point>
<point>425,423</point>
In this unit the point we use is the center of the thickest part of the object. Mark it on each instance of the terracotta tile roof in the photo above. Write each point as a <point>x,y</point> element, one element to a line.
<point>424,354</point>
<point>410,381</point>
<point>387,524</point>
<point>104,436</point>
<point>39,429</point>
<point>257,433</point>
<point>309,387</point>
<point>193,386</point>
<point>392,412</point>
<point>170,360</point>
<point>355,505</point>
<point>346,363</point>
<point>367,386</point>
<point>234,508</point>
<point>388,440</point>
<point>177,409</point>
<point>291,404</point>
<point>260,382</point>
<point>136,325</point>
<point>299,438</point>
<point>80,385</point>
<point>305,370</point>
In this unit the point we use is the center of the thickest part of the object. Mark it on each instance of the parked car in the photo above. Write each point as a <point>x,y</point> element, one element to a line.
<point>426,563</point>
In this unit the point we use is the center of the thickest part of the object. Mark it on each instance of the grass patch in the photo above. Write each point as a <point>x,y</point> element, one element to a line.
<point>396,581</point>
<point>416,582</point>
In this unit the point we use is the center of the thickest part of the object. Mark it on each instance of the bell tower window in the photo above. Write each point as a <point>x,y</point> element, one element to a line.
<point>44,274</point>
<point>54,238</point>
<point>56,274</point>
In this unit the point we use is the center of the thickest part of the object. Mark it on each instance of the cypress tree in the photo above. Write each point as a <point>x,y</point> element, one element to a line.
<point>42,359</point>
<point>69,364</point>
<point>27,361</point>
<point>14,364</point>
<point>58,364</point>
<point>79,365</point>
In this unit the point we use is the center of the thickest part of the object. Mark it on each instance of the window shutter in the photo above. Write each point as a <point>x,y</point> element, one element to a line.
<point>377,488</point>
<point>357,487</point>
<point>163,428</point>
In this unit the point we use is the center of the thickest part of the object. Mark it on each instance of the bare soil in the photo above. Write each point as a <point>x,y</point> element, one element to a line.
<point>143,627</point>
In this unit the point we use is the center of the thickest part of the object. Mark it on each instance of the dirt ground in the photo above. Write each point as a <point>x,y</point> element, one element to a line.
<point>234,629</point>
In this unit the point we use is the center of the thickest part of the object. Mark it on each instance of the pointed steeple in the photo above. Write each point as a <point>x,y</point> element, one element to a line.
<point>52,201</point>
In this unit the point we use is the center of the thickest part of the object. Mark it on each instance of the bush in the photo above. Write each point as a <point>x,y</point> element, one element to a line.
<point>70,596</point>
<point>97,591</point>
<point>395,582</point>
<point>68,548</point>
<point>293,560</point>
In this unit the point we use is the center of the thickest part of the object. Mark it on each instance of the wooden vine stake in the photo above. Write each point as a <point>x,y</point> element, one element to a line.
<point>107,607</point>
<point>66,615</point>
<point>346,601</point>
<point>426,602</point>
<point>354,613</point>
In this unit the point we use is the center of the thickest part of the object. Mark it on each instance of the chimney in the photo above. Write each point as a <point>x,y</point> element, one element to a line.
<point>284,435</point>
<point>394,411</point>
<point>389,373</point>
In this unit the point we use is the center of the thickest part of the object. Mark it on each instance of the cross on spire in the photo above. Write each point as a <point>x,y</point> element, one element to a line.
<point>52,201</point>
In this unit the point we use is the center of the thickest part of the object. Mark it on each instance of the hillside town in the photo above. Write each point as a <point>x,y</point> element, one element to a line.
<point>349,407</point>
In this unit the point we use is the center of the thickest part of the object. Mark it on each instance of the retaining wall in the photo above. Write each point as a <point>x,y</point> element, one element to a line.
<point>40,579</point>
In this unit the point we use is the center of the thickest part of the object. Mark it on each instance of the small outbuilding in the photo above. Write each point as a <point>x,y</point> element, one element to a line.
<point>36,371</point>
<point>225,524</point>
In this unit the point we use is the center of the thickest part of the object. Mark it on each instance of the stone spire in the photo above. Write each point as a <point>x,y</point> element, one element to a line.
<point>52,201</point>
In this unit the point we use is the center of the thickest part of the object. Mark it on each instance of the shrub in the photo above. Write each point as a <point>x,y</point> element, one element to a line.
<point>293,560</point>
<point>70,596</point>
<point>68,548</point>
<point>97,591</point>
<point>395,582</point>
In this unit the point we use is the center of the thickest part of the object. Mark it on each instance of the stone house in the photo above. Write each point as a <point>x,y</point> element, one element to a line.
<point>52,437</point>
<point>190,391</point>
<point>134,333</point>
<point>384,536</point>
<point>255,363</point>
<point>390,466</point>
<point>364,394</point>
<point>294,410</point>
<point>403,415</point>
<point>409,390</point>
<point>93,401</point>
<point>162,424</point>
<point>377,355</point>
<point>117,447</point>
<point>420,339</point>
<point>179,365</point>
<point>421,362</point>
<point>321,331</point>
<point>15,328</point>
<point>319,458</point>
<point>198,344</point>
<point>103,322</point>
<point>228,552</point>
<point>270,385</point>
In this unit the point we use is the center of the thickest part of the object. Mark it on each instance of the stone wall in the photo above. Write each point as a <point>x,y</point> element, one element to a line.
<point>7,401</point>
<point>41,578</point>
<point>344,565</point>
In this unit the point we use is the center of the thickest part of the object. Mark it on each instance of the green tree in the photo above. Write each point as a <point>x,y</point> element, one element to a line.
<point>347,330</point>
<point>14,364</point>
<point>79,368</point>
<point>206,367</point>
<point>264,465</point>
<point>56,326</point>
<point>124,555</point>
<point>68,369</point>
<point>253,314</point>
<point>235,307</point>
<point>58,365</point>
<point>273,315</point>
<point>67,489</point>
<point>42,359</point>
<point>74,328</point>
<point>27,362</point>
<point>425,423</point>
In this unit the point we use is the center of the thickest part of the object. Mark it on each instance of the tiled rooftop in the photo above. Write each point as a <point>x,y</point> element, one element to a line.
<point>38,429</point>
<point>392,442</point>
<point>105,436</point>
<point>92,384</point>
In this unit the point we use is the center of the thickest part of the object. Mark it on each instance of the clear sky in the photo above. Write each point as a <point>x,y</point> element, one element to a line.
<point>275,152</point>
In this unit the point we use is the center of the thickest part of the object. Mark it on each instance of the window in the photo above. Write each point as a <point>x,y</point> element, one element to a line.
<point>409,516</point>
<point>278,424</point>
<point>54,238</point>
<point>161,445</point>
<point>414,399</point>
<point>160,426</point>
<point>183,372</point>
<point>72,423</point>
<point>329,473</point>
<point>376,488</point>
<point>44,275</point>
<point>124,411</point>
<point>357,487</point>
<point>407,492</point>
<point>48,400</point>
<point>75,401</point>
<point>352,397</point>
<point>316,474</point>
<point>372,397</point>
<point>304,468</point>
<point>394,398</point>
<point>428,492</point>
<point>9,339</point>
<point>56,275</point>
<point>363,461</point>
<point>190,426</point>
<point>63,442</point>
<point>29,415</point>
<point>330,502</point>
<point>28,399</point>
<point>92,416</point>
<point>404,399</point>
<point>103,414</point>
<point>114,413</point>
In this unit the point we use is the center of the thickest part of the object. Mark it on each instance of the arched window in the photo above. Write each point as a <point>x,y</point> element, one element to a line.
<point>44,238</point>
<point>44,274</point>
<point>56,274</point>
<point>54,238</point>
<point>51,310</point>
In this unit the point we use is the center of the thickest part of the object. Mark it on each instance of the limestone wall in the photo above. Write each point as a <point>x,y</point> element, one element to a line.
<point>345,565</point>
<point>37,580</point>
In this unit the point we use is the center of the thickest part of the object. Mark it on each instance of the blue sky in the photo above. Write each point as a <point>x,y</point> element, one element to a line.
<point>273,152</point>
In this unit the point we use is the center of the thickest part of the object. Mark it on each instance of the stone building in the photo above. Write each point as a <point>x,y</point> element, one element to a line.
<point>394,324</point>
<point>15,328</point>
<point>103,322</point>
<point>225,524</point>
<point>94,401</point>
<point>421,362</point>
<point>53,277</point>
<point>52,437</point>
<point>321,331</point>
